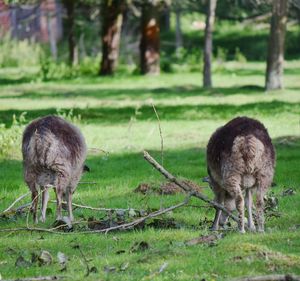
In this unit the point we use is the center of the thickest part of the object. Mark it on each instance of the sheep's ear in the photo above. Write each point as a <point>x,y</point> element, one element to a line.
<point>206,179</point>
<point>86,168</point>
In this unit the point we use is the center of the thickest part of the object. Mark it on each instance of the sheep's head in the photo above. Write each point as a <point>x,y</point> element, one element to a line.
<point>85,168</point>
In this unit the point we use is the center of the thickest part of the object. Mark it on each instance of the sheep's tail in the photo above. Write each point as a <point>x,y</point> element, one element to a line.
<point>42,148</point>
<point>250,149</point>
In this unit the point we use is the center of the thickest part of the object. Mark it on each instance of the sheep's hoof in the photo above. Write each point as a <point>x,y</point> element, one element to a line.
<point>42,219</point>
<point>252,228</point>
<point>242,231</point>
<point>64,224</point>
<point>214,228</point>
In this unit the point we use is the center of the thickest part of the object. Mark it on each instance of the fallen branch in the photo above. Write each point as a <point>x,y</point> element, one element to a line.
<point>279,277</point>
<point>124,226</point>
<point>14,203</point>
<point>97,209</point>
<point>42,278</point>
<point>186,187</point>
<point>142,219</point>
<point>161,137</point>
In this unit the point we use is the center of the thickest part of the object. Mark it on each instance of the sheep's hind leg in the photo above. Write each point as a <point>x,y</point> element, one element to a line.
<point>45,198</point>
<point>249,204</point>
<point>59,197</point>
<point>219,198</point>
<point>69,204</point>
<point>233,187</point>
<point>35,201</point>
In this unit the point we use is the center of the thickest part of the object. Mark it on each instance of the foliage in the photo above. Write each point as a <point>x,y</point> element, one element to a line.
<point>238,56</point>
<point>69,115</point>
<point>15,53</point>
<point>51,70</point>
<point>10,138</point>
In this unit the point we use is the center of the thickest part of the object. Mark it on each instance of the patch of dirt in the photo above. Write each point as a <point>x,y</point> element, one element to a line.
<point>165,188</point>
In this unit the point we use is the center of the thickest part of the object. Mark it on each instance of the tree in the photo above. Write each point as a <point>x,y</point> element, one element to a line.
<point>70,9</point>
<point>208,45</point>
<point>275,58</point>
<point>112,18</point>
<point>178,32</point>
<point>150,40</point>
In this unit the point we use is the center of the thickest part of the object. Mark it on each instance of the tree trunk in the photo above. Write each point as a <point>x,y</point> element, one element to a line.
<point>70,8</point>
<point>179,43</point>
<point>150,41</point>
<point>112,15</point>
<point>208,46</point>
<point>165,19</point>
<point>52,39</point>
<point>275,58</point>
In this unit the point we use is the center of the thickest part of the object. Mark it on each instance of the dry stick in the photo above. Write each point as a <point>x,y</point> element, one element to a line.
<point>186,187</point>
<point>97,209</point>
<point>16,201</point>
<point>161,137</point>
<point>86,263</point>
<point>106,230</point>
<point>42,278</point>
<point>279,277</point>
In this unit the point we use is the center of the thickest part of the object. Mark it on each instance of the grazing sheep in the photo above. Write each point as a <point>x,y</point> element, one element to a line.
<point>54,152</point>
<point>240,158</point>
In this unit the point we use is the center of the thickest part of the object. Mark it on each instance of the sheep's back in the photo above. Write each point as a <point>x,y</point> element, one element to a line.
<point>52,142</point>
<point>226,139</point>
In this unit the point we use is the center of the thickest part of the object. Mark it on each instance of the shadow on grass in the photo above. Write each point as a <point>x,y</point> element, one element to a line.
<point>130,169</point>
<point>145,113</point>
<point>138,93</point>
<point>14,81</point>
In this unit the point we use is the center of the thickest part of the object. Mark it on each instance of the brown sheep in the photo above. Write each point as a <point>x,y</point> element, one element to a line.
<point>240,158</point>
<point>54,152</point>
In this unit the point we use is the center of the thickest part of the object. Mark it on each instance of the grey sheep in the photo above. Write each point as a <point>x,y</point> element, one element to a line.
<point>54,152</point>
<point>240,159</point>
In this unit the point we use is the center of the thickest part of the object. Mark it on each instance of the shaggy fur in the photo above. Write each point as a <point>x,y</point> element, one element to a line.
<point>240,158</point>
<point>54,152</point>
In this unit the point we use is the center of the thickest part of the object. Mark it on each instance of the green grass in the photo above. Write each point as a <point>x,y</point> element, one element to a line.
<point>117,117</point>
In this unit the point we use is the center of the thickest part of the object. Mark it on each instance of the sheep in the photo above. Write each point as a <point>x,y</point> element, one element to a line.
<point>240,158</point>
<point>54,152</point>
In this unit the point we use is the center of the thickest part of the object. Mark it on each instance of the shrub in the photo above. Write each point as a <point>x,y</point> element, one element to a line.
<point>239,57</point>
<point>10,138</point>
<point>14,53</point>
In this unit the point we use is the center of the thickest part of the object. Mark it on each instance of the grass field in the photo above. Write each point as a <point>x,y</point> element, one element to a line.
<point>117,117</point>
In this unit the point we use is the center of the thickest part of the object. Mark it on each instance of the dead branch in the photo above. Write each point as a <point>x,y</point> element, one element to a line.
<point>16,201</point>
<point>88,270</point>
<point>275,277</point>
<point>97,209</point>
<point>186,187</point>
<point>41,278</point>
<point>161,136</point>
<point>142,219</point>
<point>124,226</point>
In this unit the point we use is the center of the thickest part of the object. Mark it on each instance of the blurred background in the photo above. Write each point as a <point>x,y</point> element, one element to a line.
<point>63,39</point>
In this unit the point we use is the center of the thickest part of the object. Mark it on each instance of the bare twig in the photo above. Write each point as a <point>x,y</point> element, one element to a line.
<point>86,262</point>
<point>161,136</point>
<point>124,226</point>
<point>16,201</point>
<point>186,187</point>
<point>97,209</point>
<point>41,278</point>
<point>275,277</point>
